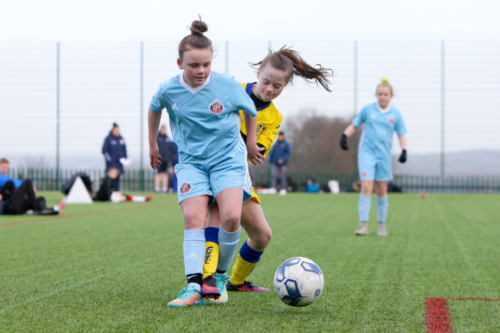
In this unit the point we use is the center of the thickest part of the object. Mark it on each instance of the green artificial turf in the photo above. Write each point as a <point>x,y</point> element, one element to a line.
<point>113,267</point>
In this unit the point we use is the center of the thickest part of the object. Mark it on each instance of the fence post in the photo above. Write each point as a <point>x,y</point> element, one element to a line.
<point>141,166</point>
<point>58,111</point>
<point>442,110</point>
<point>355,105</point>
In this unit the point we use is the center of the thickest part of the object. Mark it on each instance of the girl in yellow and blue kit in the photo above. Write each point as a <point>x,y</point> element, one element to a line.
<point>274,73</point>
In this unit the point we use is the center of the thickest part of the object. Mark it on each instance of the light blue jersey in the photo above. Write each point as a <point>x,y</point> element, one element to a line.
<point>374,156</point>
<point>379,128</point>
<point>205,120</point>
<point>205,124</point>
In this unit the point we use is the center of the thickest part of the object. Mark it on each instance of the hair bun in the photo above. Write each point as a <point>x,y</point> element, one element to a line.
<point>198,27</point>
<point>384,80</point>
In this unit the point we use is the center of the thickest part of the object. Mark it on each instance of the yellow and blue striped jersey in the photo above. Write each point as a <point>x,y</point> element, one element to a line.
<point>269,120</point>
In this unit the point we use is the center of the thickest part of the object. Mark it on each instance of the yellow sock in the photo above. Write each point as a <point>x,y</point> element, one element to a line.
<point>211,258</point>
<point>241,270</point>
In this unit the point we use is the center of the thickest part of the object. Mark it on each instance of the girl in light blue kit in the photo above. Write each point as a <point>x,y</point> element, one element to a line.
<point>203,107</point>
<point>374,157</point>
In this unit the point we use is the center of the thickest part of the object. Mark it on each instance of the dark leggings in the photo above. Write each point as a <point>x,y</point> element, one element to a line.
<point>22,199</point>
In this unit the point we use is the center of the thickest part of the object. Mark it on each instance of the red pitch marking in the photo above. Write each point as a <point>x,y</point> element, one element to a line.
<point>437,315</point>
<point>438,319</point>
<point>85,214</point>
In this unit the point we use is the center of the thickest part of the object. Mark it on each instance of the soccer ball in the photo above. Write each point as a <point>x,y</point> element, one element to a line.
<point>298,282</point>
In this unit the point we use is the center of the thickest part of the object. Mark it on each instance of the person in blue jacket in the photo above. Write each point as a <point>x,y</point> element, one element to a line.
<point>169,158</point>
<point>114,148</point>
<point>4,177</point>
<point>280,154</point>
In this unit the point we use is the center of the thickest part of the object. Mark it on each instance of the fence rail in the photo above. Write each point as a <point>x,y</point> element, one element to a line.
<point>143,180</point>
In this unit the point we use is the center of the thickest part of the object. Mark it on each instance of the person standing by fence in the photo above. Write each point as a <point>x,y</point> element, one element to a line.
<point>381,120</point>
<point>115,151</point>
<point>280,154</point>
<point>168,152</point>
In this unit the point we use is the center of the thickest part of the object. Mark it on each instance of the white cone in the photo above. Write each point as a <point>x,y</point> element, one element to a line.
<point>78,193</point>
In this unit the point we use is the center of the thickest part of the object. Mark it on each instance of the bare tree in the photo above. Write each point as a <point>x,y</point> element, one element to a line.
<point>315,142</point>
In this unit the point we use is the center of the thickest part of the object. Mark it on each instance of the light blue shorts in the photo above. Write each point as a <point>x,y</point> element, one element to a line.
<point>196,176</point>
<point>372,168</point>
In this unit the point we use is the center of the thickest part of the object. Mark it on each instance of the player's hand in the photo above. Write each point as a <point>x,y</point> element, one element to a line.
<point>154,157</point>
<point>402,158</point>
<point>343,142</point>
<point>254,154</point>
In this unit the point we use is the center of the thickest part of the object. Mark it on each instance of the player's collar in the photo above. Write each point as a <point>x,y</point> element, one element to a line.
<point>191,89</point>
<point>249,92</point>
<point>389,106</point>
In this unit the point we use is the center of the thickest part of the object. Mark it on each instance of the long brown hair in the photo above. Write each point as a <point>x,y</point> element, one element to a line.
<point>196,40</point>
<point>290,61</point>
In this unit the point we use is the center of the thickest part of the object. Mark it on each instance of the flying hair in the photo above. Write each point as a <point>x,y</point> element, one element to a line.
<point>384,82</point>
<point>290,61</point>
<point>196,40</point>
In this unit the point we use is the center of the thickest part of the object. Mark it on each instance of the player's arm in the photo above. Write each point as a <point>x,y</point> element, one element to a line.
<point>154,119</point>
<point>347,133</point>
<point>266,138</point>
<point>402,142</point>
<point>254,154</point>
<point>358,120</point>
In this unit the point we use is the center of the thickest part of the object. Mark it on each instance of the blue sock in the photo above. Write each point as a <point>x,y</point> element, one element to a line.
<point>212,235</point>
<point>364,207</point>
<point>194,253</point>
<point>382,208</point>
<point>228,243</point>
<point>249,254</point>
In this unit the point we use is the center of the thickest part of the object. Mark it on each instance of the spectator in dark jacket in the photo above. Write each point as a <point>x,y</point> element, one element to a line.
<point>114,149</point>
<point>280,154</point>
<point>169,157</point>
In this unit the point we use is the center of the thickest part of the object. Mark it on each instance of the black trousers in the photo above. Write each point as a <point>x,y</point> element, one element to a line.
<point>21,199</point>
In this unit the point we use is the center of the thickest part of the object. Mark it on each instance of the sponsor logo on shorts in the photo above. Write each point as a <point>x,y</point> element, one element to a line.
<point>365,173</point>
<point>185,188</point>
<point>216,107</point>
<point>391,121</point>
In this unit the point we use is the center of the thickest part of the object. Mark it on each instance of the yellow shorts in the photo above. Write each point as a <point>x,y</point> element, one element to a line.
<point>255,197</point>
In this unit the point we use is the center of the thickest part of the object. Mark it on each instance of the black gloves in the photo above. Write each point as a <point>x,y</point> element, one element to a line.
<point>402,158</point>
<point>343,143</point>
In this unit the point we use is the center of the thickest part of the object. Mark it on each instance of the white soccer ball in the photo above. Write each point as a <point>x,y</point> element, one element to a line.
<point>299,282</point>
<point>282,192</point>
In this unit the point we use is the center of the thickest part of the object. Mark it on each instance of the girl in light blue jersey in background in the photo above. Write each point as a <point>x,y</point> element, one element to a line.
<point>374,157</point>
<point>203,107</point>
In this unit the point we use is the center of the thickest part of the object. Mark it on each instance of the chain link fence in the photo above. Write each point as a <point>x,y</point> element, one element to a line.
<point>59,100</point>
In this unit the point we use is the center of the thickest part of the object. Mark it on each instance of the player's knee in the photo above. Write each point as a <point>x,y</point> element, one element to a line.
<point>264,238</point>
<point>231,222</point>
<point>191,220</point>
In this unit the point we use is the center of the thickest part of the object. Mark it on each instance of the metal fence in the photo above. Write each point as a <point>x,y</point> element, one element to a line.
<point>58,100</point>
<point>138,180</point>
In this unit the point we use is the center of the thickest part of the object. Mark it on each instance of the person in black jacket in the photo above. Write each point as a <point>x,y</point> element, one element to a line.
<point>114,149</point>
<point>168,153</point>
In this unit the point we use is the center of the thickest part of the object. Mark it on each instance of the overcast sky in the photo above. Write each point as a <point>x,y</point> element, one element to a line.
<point>154,20</point>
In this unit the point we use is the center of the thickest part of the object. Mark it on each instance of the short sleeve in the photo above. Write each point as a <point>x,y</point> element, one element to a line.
<point>400,127</point>
<point>360,118</point>
<point>157,103</point>
<point>240,98</point>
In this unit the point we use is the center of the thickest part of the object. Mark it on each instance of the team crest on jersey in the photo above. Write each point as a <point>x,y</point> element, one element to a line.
<point>185,188</point>
<point>261,128</point>
<point>216,107</point>
<point>391,121</point>
<point>122,142</point>
<point>365,173</point>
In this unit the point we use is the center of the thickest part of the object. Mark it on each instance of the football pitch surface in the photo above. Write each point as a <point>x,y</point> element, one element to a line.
<point>113,268</point>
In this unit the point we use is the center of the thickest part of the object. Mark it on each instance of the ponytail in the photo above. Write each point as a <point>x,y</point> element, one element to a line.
<point>384,82</point>
<point>197,40</point>
<point>290,61</point>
